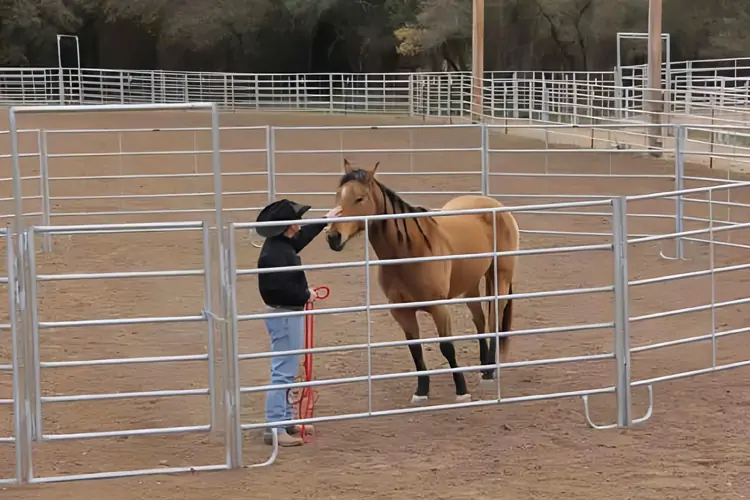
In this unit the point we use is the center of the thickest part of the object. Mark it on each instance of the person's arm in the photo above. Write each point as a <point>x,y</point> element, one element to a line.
<point>305,235</point>
<point>308,232</point>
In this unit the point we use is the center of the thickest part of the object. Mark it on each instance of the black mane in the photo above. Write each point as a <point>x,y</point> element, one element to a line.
<point>358,175</point>
<point>400,206</point>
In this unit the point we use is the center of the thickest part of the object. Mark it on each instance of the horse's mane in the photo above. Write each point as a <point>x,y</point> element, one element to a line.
<point>400,206</point>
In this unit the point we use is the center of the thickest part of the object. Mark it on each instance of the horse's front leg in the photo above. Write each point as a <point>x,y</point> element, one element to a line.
<point>407,320</point>
<point>442,317</point>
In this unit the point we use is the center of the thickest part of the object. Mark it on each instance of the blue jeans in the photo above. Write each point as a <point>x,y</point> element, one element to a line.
<point>286,334</point>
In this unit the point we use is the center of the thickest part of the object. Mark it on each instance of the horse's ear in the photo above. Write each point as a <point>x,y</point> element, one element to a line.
<point>371,173</point>
<point>347,167</point>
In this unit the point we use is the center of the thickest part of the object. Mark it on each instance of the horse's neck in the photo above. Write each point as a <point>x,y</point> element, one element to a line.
<point>386,245</point>
<point>384,235</point>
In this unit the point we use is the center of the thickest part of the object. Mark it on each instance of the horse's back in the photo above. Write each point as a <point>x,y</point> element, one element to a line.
<point>477,229</point>
<point>473,233</point>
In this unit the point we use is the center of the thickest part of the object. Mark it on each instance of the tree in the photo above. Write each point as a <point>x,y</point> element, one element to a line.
<point>26,26</point>
<point>362,35</point>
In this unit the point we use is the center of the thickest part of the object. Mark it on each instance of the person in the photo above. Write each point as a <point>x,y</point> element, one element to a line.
<point>282,292</point>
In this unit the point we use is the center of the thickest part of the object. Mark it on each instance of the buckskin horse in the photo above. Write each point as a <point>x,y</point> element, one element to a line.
<point>360,193</point>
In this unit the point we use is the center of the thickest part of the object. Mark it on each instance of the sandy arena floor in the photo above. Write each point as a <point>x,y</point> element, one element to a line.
<point>695,446</point>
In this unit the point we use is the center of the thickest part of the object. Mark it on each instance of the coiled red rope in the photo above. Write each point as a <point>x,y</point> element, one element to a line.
<point>307,396</point>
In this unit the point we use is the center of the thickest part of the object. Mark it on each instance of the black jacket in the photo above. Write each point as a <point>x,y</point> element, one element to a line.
<point>287,289</point>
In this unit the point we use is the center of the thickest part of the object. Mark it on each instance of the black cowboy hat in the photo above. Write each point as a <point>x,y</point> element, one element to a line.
<point>281,210</point>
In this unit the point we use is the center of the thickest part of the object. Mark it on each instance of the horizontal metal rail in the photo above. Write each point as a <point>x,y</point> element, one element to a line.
<point>431,408</point>
<point>414,374</point>
<point>435,258</point>
<point>689,340</point>
<point>428,340</point>
<point>153,320</point>
<point>123,361</point>
<point>427,303</point>
<point>124,395</point>
<point>105,154</point>
<point>120,275</point>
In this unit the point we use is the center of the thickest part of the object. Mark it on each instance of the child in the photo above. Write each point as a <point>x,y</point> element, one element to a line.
<point>281,292</point>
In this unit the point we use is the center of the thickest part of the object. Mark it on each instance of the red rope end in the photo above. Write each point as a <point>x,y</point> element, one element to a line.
<point>308,397</point>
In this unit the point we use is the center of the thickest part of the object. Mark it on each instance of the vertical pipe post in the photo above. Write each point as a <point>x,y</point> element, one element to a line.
<point>233,434</point>
<point>271,162</point>
<point>44,188</point>
<point>368,304</point>
<point>34,380</point>
<point>712,268</point>
<point>485,159</point>
<point>209,313</point>
<point>496,304</point>
<point>231,358</point>
<point>622,315</point>
<point>21,361</point>
<point>20,409</point>
<point>61,79</point>
<point>679,179</point>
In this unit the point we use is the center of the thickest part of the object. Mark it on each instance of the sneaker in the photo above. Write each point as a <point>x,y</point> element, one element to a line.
<point>297,429</point>
<point>285,440</point>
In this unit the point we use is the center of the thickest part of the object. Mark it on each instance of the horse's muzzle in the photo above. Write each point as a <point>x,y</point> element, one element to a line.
<point>334,242</point>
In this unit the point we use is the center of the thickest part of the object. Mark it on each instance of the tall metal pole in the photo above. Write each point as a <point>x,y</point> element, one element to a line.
<point>477,56</point>
<point>655,99</point>
<point>61,70</point>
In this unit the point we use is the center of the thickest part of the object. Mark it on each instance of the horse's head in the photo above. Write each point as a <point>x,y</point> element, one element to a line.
<point>355,197</point>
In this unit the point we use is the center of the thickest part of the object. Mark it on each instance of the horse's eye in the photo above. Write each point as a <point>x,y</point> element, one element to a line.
<point>359,200</point>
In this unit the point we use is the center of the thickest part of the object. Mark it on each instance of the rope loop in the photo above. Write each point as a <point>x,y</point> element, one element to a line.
<point>305,399</point>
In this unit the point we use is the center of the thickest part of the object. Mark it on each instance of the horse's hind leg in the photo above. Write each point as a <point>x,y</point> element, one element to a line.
<point>478,317</point>
<point>441,316</point>
<point>407,320</point>
<point>506,310</point>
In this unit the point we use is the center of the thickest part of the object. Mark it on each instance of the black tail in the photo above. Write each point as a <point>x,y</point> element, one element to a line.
<point>507,323</point>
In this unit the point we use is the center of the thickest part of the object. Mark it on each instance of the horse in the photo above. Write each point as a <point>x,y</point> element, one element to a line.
<point>359,193</point>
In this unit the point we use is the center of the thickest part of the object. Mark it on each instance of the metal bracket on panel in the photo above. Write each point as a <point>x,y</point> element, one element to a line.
<point>208,315</point>
<point>274,453</point>
<point>679,254</point>
<point>649,412</point>
<point>254,241</point>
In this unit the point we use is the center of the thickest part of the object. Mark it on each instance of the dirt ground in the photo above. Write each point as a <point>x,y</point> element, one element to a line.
<point>695,446</point>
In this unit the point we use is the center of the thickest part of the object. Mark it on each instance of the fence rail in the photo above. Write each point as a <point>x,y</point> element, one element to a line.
<point>585,95</point>
<point>27,392</point>
<point>223,316</point>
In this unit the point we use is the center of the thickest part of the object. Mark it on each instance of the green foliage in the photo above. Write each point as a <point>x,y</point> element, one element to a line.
<point>369,34</point>
<point>25,25</point>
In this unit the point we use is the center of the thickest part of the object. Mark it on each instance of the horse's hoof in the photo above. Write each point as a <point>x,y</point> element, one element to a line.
<point>417,400</point>
<point>487,384</point>
<point>463,398</point>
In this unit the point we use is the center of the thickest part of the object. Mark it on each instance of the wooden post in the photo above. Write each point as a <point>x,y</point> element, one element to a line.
<point>477,57</point>
<point>655,96</point>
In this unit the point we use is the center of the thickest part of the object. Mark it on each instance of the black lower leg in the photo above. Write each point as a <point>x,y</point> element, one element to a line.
<point>484,358</point>
<point>423,381</point>
<point>490,360</point>
<point>458,378</point>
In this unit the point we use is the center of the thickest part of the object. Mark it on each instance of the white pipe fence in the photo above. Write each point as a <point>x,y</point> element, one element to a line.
<point>692,88</point>
<point>584,139</point>
<point>225,319</point>
<point>27,391</point>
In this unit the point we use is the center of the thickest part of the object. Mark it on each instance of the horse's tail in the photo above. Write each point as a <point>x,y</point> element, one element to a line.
<point>506,321</point>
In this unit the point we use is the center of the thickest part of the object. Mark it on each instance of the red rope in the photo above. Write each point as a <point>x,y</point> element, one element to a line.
<point>307,396</point>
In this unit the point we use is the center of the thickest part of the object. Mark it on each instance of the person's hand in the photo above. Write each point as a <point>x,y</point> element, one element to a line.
<point>334,212</point>
<point>313,295</point>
